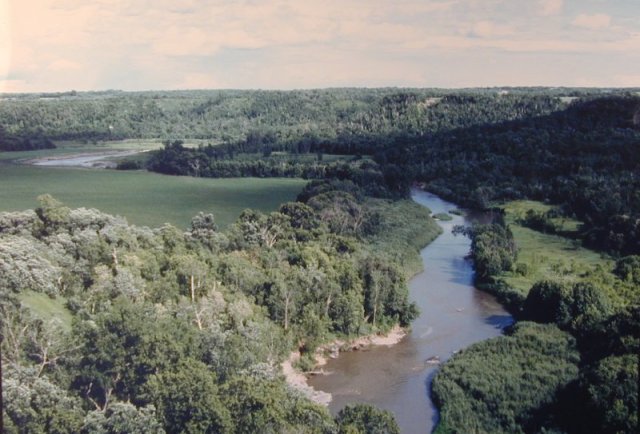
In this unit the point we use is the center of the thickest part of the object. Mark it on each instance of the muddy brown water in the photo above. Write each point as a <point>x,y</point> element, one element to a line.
<point>454,315</point>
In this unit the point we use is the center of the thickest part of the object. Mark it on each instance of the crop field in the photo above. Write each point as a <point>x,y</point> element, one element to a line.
<point>143,198</point>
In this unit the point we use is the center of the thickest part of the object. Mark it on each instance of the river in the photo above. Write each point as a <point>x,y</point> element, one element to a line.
<point>454,315</point>
<point>91,160</point>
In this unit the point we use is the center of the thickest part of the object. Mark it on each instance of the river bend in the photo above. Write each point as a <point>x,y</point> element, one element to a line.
<point>454,315</point>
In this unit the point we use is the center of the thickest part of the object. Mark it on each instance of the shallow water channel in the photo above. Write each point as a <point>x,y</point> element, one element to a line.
<point>454,314</point>
<point>94,160</point>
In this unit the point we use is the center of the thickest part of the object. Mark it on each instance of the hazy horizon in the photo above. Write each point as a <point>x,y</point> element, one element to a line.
<point>302,89</point>
<point>139,45</point>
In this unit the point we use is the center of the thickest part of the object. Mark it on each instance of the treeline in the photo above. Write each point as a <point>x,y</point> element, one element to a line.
<point>175,159</point>
<point>334,120</point>
<point>12,142</point>
<point>213,162</point>
<point>493,248</point>
<point>171,331</point>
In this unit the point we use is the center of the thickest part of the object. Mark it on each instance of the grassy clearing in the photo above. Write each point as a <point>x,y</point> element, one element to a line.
<point>544,256</point>
<point>144,198</point>
<point>517,210</point>
<point>46,308</point>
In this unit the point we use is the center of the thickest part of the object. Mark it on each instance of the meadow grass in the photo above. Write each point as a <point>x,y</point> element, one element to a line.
<point>546,256</point>
<point>143,198</point>
<point>517,209</point>
<point>46,308</point>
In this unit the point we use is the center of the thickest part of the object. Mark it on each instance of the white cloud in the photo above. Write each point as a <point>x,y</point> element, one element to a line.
<point>627,80</point>
<point>5,38</point>
<point>487,29</point>
<point>64,65</point>
<point>83,44</point>
<point>13,86</point>
<point>199,81</point>
<point>594,22</point>
<point>550,7</point>
<point>292,67</point>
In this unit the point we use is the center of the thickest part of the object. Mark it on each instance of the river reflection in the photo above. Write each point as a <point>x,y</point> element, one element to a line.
<point>454,314</point>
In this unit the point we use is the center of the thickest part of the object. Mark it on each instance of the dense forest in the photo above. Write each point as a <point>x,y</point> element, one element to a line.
<point>330,264</point>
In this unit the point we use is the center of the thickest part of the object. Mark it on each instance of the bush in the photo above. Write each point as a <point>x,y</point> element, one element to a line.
<point>443,216</point>
<point>366,419</point>
<point>129,165</point>
<point>628,268</point>
<point>522,269</point>
<point>577,307</point>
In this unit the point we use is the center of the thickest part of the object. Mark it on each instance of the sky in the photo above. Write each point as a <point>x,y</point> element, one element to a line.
<point>60,45</point>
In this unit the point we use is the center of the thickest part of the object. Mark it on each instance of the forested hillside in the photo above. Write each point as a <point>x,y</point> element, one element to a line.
<point>335,120</point>
<point>585,158</point>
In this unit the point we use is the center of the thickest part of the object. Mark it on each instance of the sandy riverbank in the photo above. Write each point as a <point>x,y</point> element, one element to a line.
<point>84,159</point>
<point>298,380</point>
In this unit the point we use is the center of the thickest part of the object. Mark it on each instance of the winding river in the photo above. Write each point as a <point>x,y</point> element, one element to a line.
<point>454,314</point>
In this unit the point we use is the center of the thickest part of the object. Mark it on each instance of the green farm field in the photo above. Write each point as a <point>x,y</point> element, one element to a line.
<point>143,198</point>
